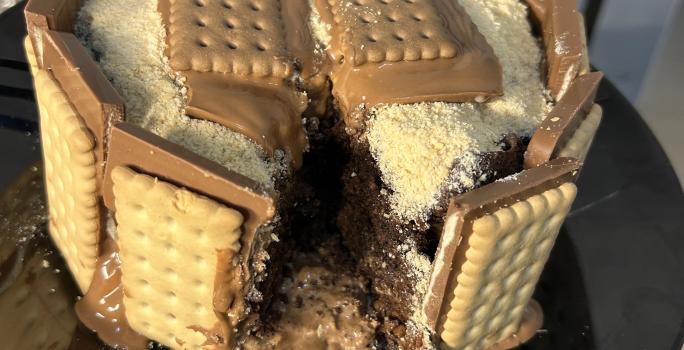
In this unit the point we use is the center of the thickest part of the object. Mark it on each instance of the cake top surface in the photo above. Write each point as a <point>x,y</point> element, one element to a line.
<point>416,146</point>
<point>131,53</point>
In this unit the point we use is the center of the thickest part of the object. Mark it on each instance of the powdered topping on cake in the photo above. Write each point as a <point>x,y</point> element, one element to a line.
<point>416,145</point>
<point>130,49</point>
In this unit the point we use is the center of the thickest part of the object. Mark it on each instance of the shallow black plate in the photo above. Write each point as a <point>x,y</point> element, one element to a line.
<point>616,275</point>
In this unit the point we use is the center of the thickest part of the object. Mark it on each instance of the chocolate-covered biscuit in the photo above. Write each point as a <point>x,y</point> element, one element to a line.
<point>495,242</point>
<point>403,52</point>
<point>563,122</point>
<point>87,88</point>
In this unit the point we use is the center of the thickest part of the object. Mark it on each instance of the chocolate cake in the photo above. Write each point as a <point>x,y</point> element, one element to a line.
<point>194,148</point>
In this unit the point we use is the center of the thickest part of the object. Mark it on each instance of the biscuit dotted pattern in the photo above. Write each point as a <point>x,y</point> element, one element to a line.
<point>70,179</point>
<point>37,310</point>
<point>507,252</point>
<point>578,146</point>
<point>392,30</point>
<point>245,37</point>
<point>169,240</point>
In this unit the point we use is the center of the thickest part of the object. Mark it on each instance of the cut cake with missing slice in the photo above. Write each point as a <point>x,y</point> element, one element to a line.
<point>214,127</point>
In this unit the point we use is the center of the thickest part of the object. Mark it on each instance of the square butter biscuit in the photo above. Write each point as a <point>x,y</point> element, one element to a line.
<point>70,176</point>
<point>505,255</point>
<point>179,261</point>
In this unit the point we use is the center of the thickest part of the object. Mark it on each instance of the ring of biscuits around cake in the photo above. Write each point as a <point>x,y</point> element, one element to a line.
<point>157,211</point>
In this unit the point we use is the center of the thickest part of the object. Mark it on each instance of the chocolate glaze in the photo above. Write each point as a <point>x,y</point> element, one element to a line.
<point>301,44</point>
<point>477,203</point>
<point>563,120</point>
<point>267,112</point>
<point>82,80</point>
<point>102,309</point>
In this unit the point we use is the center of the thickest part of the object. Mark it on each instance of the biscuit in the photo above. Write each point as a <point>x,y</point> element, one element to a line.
<point>506,253</point>
<point>437,54</point>
<point>578,146</point>
<point>240,36</point>
<point>70,179</point>
<point>379,31</point>
<point>179,259</point>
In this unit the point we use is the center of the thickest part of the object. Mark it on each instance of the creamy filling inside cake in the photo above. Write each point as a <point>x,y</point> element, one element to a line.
<point>129,46</point>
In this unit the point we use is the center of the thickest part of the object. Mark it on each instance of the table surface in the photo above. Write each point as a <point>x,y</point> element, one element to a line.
<point>620,255</point>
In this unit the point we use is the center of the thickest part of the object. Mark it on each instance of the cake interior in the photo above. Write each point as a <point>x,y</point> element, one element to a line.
<point>381,189</point>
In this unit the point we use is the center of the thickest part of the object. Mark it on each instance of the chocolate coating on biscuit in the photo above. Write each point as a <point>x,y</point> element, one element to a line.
<point>564,44</point>
<point>484,201</point>
<point>405,52</point>
<point>87,88</point>
<point>563,120</point>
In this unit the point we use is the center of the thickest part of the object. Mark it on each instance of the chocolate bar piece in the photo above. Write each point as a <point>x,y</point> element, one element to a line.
<point>42,15</point>
<point>563,120</point>
<point>564,45</point>
<point>404,52</point>
<point>494,244</point>
<point>239,69</point>
<point>139,149</point>
<point>89,91</point>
